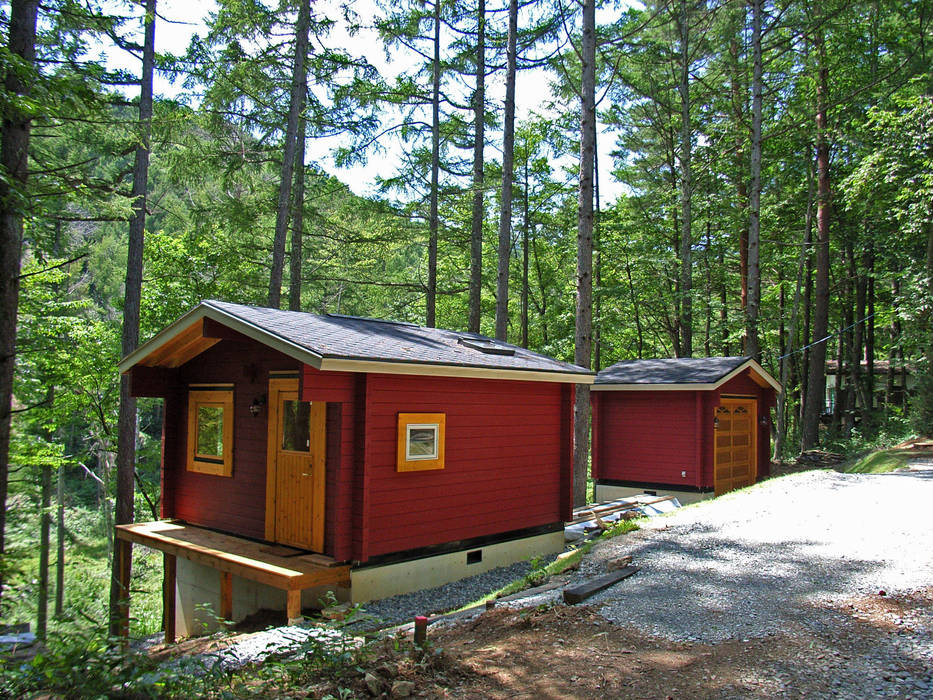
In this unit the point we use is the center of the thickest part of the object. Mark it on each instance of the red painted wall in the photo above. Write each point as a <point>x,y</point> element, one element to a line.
<point>234,504</point>
<point>508,455</point>
<point>648,436</point>
<point>653,436</point>
<point>502,470</point>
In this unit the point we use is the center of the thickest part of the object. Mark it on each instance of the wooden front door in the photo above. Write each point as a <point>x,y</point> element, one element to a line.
<point>735,460</point>
<point>295,468</point>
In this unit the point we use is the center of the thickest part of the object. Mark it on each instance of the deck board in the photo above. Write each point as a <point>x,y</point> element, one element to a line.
<point>235,555</point>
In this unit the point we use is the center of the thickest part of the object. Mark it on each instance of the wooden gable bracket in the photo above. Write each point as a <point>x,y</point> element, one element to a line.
<point>189,343</point>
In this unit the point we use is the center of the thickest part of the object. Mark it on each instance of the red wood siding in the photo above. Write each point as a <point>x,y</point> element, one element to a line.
<point>502,469</point>
<point>653,436</point>
<point>234,504</point>
<point>648,436</point>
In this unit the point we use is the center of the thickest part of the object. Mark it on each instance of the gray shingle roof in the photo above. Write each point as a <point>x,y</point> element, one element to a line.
<point>353,338</point>
<point>681,370</point>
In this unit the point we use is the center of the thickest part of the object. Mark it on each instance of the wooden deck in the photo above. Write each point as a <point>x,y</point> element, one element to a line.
<point>276,566</point>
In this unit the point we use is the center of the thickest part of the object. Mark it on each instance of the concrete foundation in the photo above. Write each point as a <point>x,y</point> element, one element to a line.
<point>611,493</point>
<point>369,583</point>
<point>197,587</point>
<point>197,598</point>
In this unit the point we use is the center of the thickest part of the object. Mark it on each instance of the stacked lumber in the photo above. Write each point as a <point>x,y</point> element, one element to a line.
<point>819,458</point>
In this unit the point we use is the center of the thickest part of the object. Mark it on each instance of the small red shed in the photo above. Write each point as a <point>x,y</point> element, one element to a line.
<point>689,427</point>
<point>303,450</point>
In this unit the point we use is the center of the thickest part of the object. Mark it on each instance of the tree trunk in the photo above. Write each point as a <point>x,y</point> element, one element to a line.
<point>526,224</point>
<point>433,223</point>
<point>807,300</point>
<point>508,159</point>
<point>708,325</point>
<point>45,526</point>
<point>686,188</point>
<point>298,217</point>
<point>60,542</point>
<point>737,88</point>
<point>816,381</point>
<point>126,423</point>
<point>754,204</point>
<point>479,128</point>
<point>781,433</point>
<point>584,308</point>
<point>290,146</point>
<point>14,155</point>
<point>891,394</point>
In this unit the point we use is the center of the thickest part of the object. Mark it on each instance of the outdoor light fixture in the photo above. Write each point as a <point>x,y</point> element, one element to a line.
<point>715,422</point>
<point>764,420</point>
<point>256,406</point>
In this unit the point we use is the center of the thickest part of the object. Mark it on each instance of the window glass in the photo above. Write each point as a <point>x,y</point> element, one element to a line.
<point>422,442</point>
<point>210,430</point>
<point>296,426</point>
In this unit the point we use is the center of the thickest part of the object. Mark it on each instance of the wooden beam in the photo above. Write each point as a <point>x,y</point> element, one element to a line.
<point>293,607</point>
<point>226,595</point>
<point>189,351</point>
<point>234,555</point>
<point>576,594</point>
<point>157,356</point>
<point>168,593</point>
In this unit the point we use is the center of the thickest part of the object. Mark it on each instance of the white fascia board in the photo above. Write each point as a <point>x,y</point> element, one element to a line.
<point>422,369</point>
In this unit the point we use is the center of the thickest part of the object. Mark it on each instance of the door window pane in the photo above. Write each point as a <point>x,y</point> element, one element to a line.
<point>210,430</point>
<point>296,426</point>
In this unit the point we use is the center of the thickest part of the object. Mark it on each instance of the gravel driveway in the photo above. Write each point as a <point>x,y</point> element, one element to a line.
<point>784,556</point>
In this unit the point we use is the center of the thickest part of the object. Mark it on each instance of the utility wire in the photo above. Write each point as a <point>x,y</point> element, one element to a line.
<point>823,340</point>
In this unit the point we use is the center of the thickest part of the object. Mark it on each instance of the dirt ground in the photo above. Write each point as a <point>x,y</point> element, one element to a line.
<point>571,652</point>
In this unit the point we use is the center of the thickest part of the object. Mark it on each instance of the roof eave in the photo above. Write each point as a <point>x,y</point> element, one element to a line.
<point>695,386</point>
<point>337,364</point>
<point>205,310</point>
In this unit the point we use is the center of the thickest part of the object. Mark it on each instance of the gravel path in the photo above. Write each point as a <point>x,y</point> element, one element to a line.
<point>785,557</point>
<point>403,608</point>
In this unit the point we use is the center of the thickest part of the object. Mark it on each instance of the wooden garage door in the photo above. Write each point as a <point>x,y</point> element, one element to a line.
<point>735,462</point>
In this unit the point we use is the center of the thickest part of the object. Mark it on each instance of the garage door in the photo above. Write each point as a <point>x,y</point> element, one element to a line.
<point>735,464</point>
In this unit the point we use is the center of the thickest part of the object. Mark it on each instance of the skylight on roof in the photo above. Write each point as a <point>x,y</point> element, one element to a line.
<point>487,345</point>
<point>373,320</point>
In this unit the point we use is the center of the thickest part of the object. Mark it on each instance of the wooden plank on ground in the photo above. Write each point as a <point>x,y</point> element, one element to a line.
<point>585,513</point>
<point>580,592</point>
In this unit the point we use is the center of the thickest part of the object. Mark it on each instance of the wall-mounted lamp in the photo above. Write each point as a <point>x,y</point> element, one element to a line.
<point>764,420</point>
<point>256,406</point>
<point>716,423</point>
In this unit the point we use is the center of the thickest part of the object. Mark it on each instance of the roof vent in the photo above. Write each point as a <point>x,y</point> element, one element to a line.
<point>487,345</point>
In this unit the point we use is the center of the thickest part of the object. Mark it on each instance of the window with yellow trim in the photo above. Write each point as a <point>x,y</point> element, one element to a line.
<point>210,432</point>
<point>420,441</point>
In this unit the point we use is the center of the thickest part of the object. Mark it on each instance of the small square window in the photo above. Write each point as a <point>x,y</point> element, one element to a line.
<point>420,441</point>
<point>210,432</point>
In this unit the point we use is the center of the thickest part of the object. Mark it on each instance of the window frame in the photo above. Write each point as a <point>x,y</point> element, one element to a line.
<point>210,464</point>
<point>405,461</point>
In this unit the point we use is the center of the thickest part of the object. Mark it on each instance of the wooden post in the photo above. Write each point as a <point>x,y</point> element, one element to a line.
<point>293,607</point>
<point>226,595</point>
<point>123,550</point>
<point>168,597</point>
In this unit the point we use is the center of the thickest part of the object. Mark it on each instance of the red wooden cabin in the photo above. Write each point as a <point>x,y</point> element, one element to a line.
<point>352,444</point>
<point>690,427</point>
